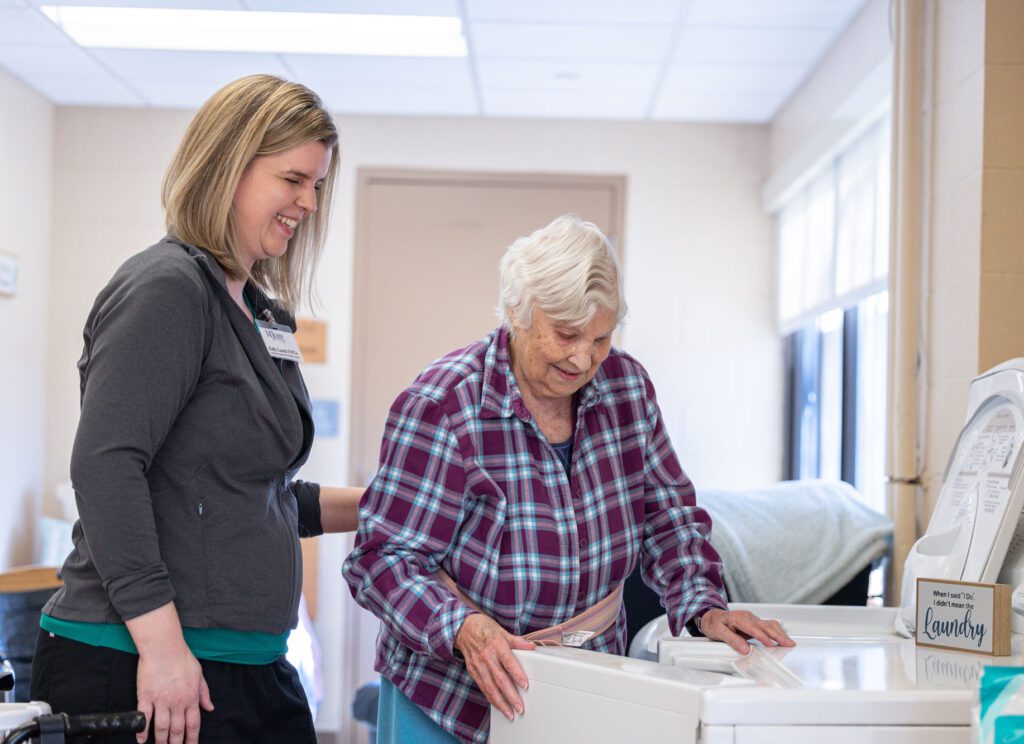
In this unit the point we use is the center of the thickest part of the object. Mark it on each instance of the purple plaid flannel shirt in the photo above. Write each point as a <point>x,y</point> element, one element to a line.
<point>468,483</point>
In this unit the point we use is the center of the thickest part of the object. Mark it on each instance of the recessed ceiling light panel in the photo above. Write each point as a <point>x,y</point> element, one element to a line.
<point>257,31</point>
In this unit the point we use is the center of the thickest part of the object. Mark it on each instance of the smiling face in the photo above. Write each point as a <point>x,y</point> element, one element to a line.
<point>276,192</point>
<point>552,359</point>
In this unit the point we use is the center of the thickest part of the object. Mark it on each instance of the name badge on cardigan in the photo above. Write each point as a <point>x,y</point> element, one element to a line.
<point>279,340</point>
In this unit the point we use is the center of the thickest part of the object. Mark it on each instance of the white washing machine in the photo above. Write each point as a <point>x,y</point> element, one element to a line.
<point>854,676</point>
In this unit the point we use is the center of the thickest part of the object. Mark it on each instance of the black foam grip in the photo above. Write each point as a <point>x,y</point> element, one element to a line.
<point>106,723</point>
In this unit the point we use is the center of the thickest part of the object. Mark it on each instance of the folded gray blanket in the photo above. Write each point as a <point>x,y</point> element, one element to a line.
<point>795,542</point>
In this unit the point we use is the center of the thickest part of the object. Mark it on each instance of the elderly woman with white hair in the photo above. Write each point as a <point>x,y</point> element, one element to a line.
<point>521,480</point>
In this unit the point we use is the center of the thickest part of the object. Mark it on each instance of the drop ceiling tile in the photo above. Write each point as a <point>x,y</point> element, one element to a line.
<point>167,93</point>
<point>778,13</point>
<point>84,90</point>
<point>382,7</point>
<point>635,12</point>
<point>410,101</point>
<point>133,64</point>
<point>382,72</point>
<point>716,107</point>
<point>566,75</point>
<point>5,3</point>
<point>24,25</point>
<point>47,60</point>
<point>752,46</point>
<point>523,41</point>
<point>566,105</point>
<point>735,79</point>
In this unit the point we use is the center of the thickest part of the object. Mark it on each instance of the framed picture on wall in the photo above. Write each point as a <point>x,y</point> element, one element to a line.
<point>8,274</point>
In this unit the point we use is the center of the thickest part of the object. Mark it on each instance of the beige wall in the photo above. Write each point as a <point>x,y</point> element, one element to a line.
<point>26,131</point>
<point>1002,220</point>
<point>975,279</point>
<point>698,268</point>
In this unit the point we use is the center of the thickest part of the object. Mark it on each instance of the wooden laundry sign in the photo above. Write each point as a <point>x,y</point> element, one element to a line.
<point>963,616</point>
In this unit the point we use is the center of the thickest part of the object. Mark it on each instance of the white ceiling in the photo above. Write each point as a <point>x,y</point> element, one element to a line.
<point>662,60</point>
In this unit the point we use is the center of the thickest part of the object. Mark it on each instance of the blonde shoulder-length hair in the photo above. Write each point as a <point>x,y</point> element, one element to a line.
<point>256,115</point>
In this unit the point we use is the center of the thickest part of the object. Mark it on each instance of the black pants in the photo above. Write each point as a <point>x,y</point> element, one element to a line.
<point>252,703</point>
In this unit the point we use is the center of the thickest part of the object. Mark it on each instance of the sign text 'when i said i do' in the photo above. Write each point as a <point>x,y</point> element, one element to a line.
<point>963,616</point>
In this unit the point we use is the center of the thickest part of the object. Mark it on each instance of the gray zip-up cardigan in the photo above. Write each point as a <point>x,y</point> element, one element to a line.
<point>189,437</point>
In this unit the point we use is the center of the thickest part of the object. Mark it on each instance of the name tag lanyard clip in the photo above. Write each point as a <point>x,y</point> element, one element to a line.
<point>279,340</point>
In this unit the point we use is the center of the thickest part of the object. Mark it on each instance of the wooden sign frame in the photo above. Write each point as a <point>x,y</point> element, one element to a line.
<point>962,610</point>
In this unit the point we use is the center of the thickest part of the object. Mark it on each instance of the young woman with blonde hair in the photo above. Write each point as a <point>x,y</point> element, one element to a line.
<point>185,577</point>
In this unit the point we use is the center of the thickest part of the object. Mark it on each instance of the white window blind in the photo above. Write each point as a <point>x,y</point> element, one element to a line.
<point>833,235</point>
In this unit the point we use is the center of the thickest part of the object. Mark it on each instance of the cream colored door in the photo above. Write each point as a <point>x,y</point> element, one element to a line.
<point>426,272</point>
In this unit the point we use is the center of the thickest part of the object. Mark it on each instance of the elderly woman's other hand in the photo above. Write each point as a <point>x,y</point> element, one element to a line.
<point>487,649</point>
<point>736,627</point>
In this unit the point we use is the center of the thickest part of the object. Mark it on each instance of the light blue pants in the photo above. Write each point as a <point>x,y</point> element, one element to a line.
<point>400,721</point>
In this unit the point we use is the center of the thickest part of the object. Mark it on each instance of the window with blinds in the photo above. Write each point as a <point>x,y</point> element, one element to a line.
<point>832,240</point>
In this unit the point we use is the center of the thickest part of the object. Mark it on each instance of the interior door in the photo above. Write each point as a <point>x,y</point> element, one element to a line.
<point>426,272</point>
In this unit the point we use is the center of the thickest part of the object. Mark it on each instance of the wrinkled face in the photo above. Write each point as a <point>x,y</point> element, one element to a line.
<point>275,194</point>
<point>554,359</point>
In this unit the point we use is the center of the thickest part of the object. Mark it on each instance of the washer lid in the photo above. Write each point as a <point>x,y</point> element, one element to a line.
<point>838,681</point>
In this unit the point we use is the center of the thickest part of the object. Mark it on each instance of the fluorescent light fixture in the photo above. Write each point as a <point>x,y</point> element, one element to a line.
<point>257,31</point>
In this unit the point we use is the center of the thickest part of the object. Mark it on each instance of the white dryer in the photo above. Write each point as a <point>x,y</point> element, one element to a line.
<point>853,677</point>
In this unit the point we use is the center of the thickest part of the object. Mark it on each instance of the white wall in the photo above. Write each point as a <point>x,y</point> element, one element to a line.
<point>26,130</point>
<point>108,164</point>
<point>953,302</point>
<point>698,268</point>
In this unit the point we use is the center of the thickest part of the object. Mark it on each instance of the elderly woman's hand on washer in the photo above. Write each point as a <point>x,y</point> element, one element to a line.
<point>737,627</point>
<point>487,650</point>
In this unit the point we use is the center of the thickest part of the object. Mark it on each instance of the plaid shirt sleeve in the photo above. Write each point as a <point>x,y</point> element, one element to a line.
<point>677,554</point>
<point>407,519</point>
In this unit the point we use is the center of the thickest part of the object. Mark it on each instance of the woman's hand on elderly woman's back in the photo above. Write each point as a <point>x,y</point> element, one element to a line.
<point>736,627</point>
<point>487,649</point>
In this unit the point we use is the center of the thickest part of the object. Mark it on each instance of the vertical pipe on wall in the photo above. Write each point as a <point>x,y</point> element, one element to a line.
<point>909,209</point>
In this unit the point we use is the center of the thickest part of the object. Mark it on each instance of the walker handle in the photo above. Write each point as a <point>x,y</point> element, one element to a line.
<point>105,723</point>
<point>61,725</point>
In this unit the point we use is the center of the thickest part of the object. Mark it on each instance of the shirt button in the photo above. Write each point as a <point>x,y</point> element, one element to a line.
<point>583,542</point>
